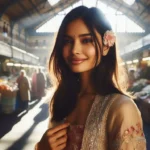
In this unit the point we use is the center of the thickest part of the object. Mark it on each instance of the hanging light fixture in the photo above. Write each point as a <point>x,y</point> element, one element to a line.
<point>129,2</point>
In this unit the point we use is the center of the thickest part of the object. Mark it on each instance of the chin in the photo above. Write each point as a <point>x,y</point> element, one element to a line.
<point>79,70</point>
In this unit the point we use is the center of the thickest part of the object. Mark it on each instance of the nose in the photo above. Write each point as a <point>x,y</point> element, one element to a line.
<point>76,48</point>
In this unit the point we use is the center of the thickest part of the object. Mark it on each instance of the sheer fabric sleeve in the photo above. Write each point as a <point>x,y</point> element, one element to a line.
<point>125,126</point>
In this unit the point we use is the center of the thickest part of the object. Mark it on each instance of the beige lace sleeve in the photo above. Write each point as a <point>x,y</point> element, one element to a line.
<point>125,126</point>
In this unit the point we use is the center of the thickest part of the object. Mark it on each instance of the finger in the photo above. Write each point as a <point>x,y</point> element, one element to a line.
<point>61,140</point>
<point>60,133</point>
<point>57,135</point>
<point>56,129</point>
<point>61,147</point>
<point>58,142</point>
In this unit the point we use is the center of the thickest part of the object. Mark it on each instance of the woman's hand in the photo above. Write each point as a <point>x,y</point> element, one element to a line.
<point>54,138</point>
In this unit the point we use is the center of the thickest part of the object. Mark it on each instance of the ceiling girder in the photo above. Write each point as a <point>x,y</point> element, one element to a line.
<point>7,5</point>
<point>34,7</point>
<point>24,8</point>
<point>136,17</point>
<point>26,15</point>
<point>51,12</point>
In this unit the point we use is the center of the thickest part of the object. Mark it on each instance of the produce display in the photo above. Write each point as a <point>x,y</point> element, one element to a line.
<point>8,90</point>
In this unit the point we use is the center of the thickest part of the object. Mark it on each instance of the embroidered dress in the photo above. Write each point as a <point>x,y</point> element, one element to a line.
<point>114,123</point>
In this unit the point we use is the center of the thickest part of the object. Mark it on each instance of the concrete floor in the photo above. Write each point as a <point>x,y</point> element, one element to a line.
<point>23,131</point>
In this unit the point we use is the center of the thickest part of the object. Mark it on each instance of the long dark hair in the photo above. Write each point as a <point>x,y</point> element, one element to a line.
<point>105,76</point>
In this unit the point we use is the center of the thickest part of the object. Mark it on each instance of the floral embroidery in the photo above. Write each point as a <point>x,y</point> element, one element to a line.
<point>95,136</point>
<point>133,135</point>
<point>109,38</point>
<point>133,131</point>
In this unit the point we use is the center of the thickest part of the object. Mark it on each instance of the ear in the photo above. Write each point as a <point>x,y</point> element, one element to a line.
<point>105,50</point>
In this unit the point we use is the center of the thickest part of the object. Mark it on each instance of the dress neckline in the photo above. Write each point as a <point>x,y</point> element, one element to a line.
<point>76,125</point>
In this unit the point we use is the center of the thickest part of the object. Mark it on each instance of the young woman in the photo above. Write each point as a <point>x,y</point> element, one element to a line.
<point>90,110</point>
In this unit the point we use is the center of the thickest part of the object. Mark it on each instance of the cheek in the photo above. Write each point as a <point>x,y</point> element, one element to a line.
<point>65,52</point>
<point>92,53</point>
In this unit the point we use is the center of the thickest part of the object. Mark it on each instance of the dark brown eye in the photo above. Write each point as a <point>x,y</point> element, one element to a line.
<point>87,40</point>
<point>68,41</point>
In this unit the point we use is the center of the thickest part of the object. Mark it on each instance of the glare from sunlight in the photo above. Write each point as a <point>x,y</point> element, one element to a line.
<point>53,2</point>
<point>118,21</point>
<point>129,2</point>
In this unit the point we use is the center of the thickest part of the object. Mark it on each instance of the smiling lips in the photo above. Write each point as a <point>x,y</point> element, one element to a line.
<point>76,61</point>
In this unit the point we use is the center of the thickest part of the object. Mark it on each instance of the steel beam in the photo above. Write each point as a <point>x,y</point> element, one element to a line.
<point>7,6</point>
<point>34,7</point>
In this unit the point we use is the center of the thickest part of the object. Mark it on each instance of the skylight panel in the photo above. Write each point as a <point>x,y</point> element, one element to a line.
<point>118,21</point>
<point>102,7</point>
<point>129,2</point>
<point>79,3</point>
<point>121,23</point>
<point>133,27</point>
<point>68,10</point>
<point>119,13</point>
<point>61,13</point>
<point>112,20</point>
<point>111,10</point>
<point>53,2</point>
<point>52,25</point>
<point>89,3</point>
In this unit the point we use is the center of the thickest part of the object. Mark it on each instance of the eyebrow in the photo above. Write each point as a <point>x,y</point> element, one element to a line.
<point>81,35</point>
<point>86,34</point>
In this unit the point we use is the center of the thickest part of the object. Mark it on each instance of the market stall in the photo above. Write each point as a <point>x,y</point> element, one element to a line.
<point>8,90</point>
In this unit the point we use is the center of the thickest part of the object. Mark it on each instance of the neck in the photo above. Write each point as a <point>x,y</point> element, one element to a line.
<point>86,84</point>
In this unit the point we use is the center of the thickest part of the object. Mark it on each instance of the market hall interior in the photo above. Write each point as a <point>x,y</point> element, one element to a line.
<point>28,29</point>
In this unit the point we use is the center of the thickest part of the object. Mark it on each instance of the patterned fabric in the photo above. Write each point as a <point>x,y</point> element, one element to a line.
<point>75,134</point>
<point>95,133</point>
<point>133,135</point>
<point>114,123</point>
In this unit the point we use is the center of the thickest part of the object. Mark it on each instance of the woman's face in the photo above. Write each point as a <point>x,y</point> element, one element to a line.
<point>79,50</point>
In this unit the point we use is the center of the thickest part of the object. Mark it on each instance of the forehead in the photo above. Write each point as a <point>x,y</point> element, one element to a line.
<point>76,28</point>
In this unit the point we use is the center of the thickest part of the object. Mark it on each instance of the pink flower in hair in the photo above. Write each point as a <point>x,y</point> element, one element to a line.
<point>109,38</point>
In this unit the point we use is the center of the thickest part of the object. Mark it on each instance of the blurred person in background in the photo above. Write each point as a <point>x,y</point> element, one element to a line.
<point>143,71</point>
<point>34,84</point>
<point>48,80</point>
<point>23,94</point>
<point>131,77</point>
<point>41,84</point>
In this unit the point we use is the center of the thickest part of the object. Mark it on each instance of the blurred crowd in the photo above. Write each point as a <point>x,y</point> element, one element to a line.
<point>31,88</point>
<point>142,72</point>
